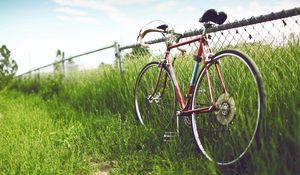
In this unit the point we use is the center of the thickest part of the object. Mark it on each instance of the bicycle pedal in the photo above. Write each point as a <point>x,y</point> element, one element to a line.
<point>170,136</point>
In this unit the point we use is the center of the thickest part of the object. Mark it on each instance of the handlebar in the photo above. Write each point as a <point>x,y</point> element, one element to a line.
<point>144,33</point>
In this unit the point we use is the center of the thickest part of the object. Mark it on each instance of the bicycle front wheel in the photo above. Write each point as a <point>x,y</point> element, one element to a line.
<point>225,135</point>
<point>155,100</point>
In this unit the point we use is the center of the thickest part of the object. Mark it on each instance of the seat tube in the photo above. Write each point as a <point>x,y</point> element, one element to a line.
<point>192,85</point>
<point>195,71</point>
<point>201,53</point>
<point>220,77</point>
<point>208,82</point>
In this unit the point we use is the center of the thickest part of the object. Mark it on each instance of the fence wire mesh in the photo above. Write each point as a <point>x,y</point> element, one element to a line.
<point>273,45</point>
<point>96,59</point>
<point>271,40</point>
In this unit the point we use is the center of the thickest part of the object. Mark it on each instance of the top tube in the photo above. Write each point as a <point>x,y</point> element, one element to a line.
<point>185,42</point>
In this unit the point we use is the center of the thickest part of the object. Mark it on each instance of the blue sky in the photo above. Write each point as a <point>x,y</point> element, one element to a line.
<point>34,29</point>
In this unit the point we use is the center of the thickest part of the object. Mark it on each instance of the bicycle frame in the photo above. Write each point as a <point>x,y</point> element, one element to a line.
<point>185,106</point>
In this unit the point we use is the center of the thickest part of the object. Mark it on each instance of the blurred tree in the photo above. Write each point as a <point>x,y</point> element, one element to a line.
<point>8,66</point>
<point>138,52</point>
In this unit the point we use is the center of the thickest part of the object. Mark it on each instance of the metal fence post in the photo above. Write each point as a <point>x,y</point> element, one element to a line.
<point>63,66</point>
<point>38,74</point>
<point>118,56</point>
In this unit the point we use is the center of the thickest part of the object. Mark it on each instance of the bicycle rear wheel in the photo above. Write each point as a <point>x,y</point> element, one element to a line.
<point>155,100</point>
<point>225,135</point>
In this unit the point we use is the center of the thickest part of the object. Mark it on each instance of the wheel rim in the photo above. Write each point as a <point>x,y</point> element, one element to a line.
<point>225,140</point>
<point>155,111</point>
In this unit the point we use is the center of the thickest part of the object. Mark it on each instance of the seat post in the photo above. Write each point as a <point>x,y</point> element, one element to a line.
<point>206,25</point>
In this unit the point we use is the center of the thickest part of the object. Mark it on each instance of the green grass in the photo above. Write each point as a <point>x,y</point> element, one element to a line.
<point>86,122</point>
<point>36,139</point>
<point>33,143</point>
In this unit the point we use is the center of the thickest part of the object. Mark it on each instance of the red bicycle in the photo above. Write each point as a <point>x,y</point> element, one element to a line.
<point>224,102</point>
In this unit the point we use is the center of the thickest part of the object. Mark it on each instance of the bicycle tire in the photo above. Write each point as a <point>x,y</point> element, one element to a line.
<point>239,111</point>
<point>157,114</point>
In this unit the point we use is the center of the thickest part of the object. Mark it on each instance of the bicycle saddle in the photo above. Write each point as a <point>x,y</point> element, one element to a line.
<point>212,15</point>
<point>163,27</point>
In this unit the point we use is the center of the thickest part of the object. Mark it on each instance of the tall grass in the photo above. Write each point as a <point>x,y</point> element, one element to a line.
<point>102,101</point>
<point>33,143</point>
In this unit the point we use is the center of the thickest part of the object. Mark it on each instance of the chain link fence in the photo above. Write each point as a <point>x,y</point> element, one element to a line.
<point>259,37</point>
<point>272,41</point>
<point>95,59</point>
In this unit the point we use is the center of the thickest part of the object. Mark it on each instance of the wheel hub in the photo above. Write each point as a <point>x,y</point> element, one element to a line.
<point>225,109</point>
<point>156,98</point>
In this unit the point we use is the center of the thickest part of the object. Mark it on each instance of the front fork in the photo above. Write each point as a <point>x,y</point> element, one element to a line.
<point>168,135</point>
<point>156,84</point>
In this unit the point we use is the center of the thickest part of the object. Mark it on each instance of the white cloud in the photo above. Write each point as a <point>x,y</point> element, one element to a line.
<point>88,20</point>
<point>65,2</point>
<point>107,2</point>
<point>75,15</point>
<point>107,7</point>
<point>125,2</point>
<point>187,9</point>
<point>165,5</point>
<point>80,19</point>
<point>64,18</point>
<point>70,11</point>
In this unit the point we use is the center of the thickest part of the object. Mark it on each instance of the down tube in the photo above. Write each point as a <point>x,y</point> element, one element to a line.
<point>177,89</point>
